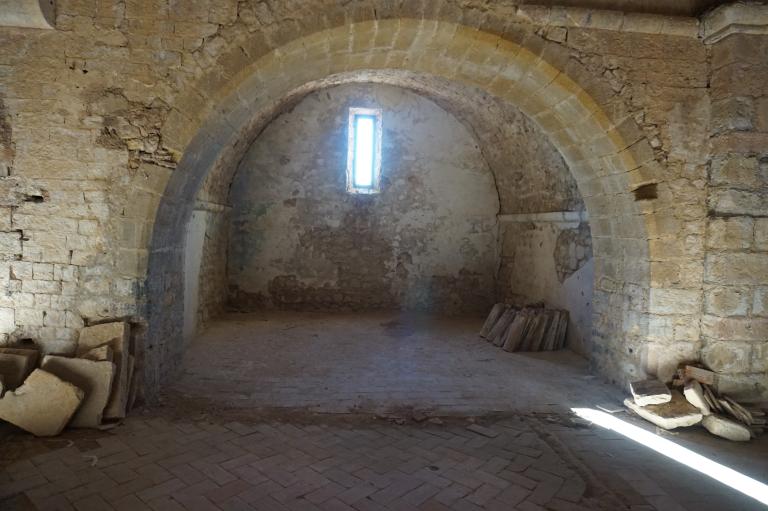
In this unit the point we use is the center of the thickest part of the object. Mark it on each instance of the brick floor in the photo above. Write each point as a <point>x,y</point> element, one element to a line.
<point>157,462</point>
<point>377,362</point>
<point>238,431</point>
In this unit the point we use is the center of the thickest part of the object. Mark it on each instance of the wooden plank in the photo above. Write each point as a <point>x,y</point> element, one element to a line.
<point>562,330</point>
<point>516,331</point>
<point>700,375</point>
<point>550,334</point>
<point>496,311</point>
<point>501,325</point>
<point>535,332</point>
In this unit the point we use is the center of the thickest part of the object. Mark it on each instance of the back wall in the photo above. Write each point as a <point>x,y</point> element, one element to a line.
<point>428,241</point>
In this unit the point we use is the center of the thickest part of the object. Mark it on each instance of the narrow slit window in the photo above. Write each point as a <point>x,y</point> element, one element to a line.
<point>364,157</point>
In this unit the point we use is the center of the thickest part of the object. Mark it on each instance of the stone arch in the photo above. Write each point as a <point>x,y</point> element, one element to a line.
<point>606,153</point>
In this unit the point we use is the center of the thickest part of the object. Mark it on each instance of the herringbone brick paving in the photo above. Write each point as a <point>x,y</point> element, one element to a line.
<point>162,464</point>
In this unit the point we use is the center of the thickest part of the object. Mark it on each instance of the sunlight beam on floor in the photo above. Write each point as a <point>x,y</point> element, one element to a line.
<point>706,466</point>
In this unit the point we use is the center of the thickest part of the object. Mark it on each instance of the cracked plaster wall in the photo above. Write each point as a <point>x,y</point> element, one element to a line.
<point>427,242</point>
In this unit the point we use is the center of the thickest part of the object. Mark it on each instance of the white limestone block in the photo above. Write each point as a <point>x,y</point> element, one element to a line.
<point>695,395</point>
<point>726,428</point>
<point>116,336</point>
<point>94,378</point>
<point>649,392</point>
<point>43,405</point>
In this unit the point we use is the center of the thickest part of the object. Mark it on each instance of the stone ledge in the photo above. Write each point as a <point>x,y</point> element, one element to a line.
<point>736,18</point>
<point>556,217</point>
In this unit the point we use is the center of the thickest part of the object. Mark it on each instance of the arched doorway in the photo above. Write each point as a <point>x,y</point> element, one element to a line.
<point>605,155</point>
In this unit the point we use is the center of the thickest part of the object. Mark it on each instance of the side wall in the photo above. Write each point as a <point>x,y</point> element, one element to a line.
<point>205,266</point>
<point>547,258</point>
<point>426,242</point>
<point>735,311</point>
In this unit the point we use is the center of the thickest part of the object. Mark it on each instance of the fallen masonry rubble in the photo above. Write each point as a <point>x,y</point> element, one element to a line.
<point>90,390</point>
<point>693,400</point>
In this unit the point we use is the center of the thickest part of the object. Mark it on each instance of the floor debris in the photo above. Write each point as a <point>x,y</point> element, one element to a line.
<point>525,329</point>
<point>678,412</point>
<point>726,428</point>
<point>650,392</point>
<point>93,378</point>
<point>43,405</point>
<point>16,364</point>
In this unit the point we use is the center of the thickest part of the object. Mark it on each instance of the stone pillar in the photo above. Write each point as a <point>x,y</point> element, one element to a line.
<point>735,317</point>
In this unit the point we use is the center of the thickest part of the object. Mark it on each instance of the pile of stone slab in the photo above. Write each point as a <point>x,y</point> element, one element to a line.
<point>525,329</point>
<point>695,400</point>
<point>88,390</point>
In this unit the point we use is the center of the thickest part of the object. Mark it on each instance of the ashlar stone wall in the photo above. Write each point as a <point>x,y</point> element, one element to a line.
<point>110,123</point>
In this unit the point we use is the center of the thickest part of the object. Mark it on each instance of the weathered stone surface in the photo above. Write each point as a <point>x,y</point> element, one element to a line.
<point>675,414</point>
<point>16,364</point>
<point>116,335</point>
<point>695,395</point>
<point>88,162</point>
<point>98,335</point>
<point>100,354</point>
<point>649,392</point>
<point>726,428</point>
<point>43,405</point>
<point>92,377</point>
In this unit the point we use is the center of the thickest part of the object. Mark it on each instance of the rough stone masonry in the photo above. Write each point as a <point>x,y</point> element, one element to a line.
<point>112,121</point>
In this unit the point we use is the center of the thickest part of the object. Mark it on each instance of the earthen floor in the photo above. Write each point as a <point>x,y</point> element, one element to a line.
<point>254,424</point>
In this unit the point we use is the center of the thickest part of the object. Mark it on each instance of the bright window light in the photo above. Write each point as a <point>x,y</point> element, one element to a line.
<point>364,156</point>
<point>706,466</point>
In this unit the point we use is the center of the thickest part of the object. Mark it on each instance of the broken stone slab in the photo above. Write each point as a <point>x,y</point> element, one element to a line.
<point>699,374</point>
<point>101,334</point>
<point>726,428</point>
<point>741,413</point>
<point>649,392</point>
<point>116,336</point>
<point>132,383</point>
<point>94,378</point>
<point>16,364</point>
<point>99,354</point>
<point>43,405</point>
<point>675,414</point>
<point>695,395</point>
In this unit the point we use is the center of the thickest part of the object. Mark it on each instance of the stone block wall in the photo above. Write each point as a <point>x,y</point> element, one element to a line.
<point>110,123</point>
<point>734,325</point>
